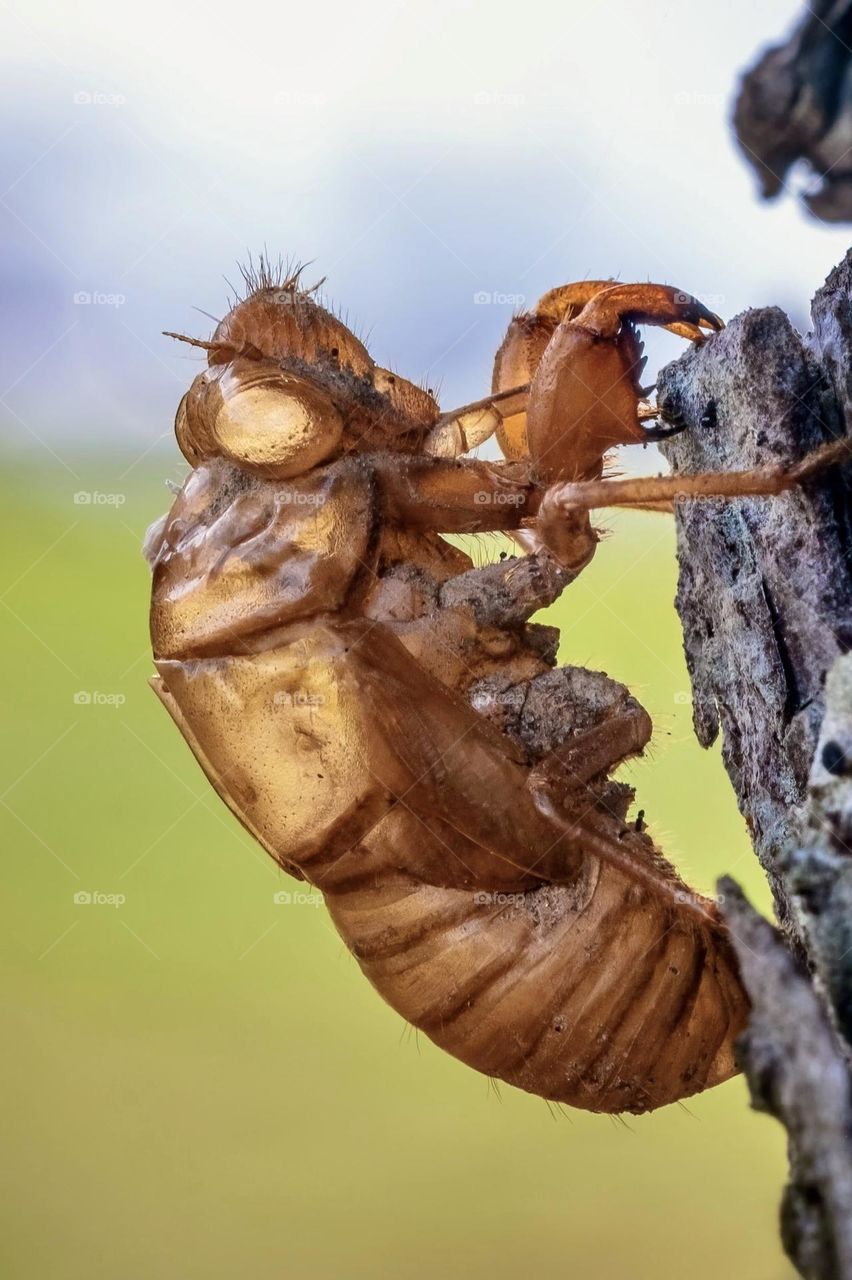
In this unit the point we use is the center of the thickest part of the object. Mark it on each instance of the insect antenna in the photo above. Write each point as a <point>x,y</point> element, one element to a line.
<point>192,342</point>
<point>183,337</point>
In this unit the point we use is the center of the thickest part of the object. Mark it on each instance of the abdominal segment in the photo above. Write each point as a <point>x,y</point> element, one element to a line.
<point>477,915</point>
<point>585,994</point>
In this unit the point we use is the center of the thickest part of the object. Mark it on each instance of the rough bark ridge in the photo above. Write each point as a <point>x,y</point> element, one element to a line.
<point>765,598</point>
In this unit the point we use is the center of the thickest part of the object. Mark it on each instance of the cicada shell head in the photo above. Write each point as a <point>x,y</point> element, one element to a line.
<point>290,386</point>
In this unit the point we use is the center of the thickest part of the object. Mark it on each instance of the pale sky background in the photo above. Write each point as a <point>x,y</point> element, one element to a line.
<point>419,154</point>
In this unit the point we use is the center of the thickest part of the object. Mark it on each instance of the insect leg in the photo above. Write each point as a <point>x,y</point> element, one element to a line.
<point>577,761</point>
<point>582,496</point>
<point>509,591</point>
<point>586,393</point>
<point>522,349</point>
<point>504,411</point>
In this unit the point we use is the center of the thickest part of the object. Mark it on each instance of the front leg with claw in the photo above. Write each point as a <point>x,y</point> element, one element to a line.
<point>585,397</point>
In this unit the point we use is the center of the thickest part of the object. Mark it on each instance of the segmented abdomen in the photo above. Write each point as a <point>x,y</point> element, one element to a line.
<point>607,990</point>
<point>594,995</point>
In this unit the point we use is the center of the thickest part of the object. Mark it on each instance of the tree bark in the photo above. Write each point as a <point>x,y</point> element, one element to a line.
<point>765,598</point>
<point>795,107</point>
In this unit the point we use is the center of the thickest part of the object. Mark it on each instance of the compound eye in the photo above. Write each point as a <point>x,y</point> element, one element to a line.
<point>278,428</point>
<point>185,439</point>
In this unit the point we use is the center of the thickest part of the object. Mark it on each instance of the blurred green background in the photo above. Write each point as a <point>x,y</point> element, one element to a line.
<point>199,1082</point>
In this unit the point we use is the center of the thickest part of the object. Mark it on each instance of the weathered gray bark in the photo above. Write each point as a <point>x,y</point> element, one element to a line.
<point>765,598</point>
<point>796,1073</point>
<point>795,105</point>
